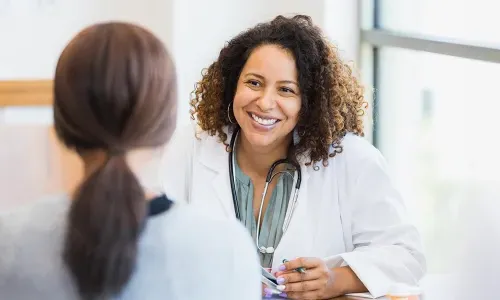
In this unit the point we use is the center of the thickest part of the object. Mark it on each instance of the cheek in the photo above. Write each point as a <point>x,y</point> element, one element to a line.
<point>291,108</point>
<point>242,97</point>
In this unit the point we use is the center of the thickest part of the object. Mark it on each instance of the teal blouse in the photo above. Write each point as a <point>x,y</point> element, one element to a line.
<point>272,221</point>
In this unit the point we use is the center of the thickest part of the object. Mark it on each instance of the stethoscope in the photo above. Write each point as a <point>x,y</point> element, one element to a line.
<point>269,178</point>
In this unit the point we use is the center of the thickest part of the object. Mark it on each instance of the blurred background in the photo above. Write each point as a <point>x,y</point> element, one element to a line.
<point>431,71</point>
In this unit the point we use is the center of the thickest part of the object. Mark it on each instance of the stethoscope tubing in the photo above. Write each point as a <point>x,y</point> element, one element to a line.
<point>269,178</point>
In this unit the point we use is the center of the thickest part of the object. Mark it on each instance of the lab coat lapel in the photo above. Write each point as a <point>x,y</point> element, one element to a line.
<point>215,157</point>
<point>222,189</point>
<point>296,241</point>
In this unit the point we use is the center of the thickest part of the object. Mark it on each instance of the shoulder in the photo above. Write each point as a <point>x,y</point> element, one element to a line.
<point>355,157</point>
<point>44,216</point>
<point>206,231</point>
<point>186,241</point>
<point>191,141</point>
<point>357,147</point>
<point>357,151</point>
<point>183,136</point>
<point>186,236</point>
<point>191,136</point>
<point>32,239</point>
<point>214,242</point>
<point>192,233</point>
<point>40,215</point>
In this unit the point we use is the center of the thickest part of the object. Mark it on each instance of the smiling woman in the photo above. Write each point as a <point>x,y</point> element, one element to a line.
<point>295,62</point>
<point>282,94</point>
<point>267,99</point>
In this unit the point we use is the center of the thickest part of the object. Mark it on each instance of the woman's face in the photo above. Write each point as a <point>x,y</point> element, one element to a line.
<point>267,99</point>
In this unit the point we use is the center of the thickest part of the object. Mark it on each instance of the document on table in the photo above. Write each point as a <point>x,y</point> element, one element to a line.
<point>365,296</point>
<point>269,280</point>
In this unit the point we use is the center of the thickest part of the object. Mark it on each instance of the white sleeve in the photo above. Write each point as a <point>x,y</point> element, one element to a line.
<point>387,248</point>
<point>176,165</point>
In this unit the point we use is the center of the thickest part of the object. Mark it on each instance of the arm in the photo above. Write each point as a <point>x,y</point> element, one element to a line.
<point>387,247</point>
<point>347,281</point>
<point>318,281</point>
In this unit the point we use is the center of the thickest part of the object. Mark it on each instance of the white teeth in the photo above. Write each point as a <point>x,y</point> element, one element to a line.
<point>264,121</point>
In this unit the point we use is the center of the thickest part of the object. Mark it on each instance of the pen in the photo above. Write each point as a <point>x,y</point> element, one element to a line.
<point>300,270</point>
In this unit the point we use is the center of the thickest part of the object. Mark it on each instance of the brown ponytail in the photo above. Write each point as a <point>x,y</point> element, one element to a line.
<point>114,91</point>
<point>104,224</point>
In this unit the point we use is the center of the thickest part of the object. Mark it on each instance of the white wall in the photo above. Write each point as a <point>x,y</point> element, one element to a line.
<point>33,32</point>
<point>202,27</point>
<point>199,36</point>
<point>194,31</point>
<point>341,25</point>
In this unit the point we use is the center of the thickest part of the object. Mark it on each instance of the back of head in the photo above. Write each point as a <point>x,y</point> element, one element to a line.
<point>114,91</point>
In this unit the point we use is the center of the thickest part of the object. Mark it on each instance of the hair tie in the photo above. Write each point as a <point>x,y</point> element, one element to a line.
<point>116,152</point>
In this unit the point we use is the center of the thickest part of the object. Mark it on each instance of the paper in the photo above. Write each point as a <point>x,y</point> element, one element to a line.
<point>270,281</point>
<point>364,295</point>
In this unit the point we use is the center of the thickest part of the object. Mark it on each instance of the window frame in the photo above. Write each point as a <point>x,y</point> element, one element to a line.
<point>373,37</point>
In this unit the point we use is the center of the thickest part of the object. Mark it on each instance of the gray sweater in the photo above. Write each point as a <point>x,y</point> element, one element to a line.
<point>182,255</point>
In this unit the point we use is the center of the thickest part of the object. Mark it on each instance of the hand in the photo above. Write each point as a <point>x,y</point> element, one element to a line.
<point>266,292</point>
<point>316,283</point>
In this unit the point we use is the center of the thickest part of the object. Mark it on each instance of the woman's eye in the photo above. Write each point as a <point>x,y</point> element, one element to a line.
<point>253,82</point>
<point>287,90</point>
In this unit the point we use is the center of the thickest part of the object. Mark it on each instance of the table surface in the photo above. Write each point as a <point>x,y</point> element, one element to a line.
<point>341,298</point>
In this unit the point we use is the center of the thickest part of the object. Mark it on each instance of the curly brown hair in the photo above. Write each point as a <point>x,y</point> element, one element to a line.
<point>332,97</point>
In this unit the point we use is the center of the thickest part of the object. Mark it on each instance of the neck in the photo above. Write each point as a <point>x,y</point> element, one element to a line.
<point>256,161</point>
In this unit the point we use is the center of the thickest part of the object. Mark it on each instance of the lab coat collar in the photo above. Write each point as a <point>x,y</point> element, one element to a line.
<point>215,157</point>
<point>214,154</point>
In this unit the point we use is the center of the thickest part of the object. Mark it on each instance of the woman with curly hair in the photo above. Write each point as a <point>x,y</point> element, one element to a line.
<point>279,91</point>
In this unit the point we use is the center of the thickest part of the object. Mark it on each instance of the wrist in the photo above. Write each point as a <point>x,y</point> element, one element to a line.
<point>345,281</point>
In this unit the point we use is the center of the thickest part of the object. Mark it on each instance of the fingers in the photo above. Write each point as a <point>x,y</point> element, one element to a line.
<point>303,286</point>
<point>291,277</point>
<point>301,262</point>
<point>264,289</point>
<point>305,263</point>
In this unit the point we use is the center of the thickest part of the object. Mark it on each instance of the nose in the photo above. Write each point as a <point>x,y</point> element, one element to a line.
<point>267,101</point>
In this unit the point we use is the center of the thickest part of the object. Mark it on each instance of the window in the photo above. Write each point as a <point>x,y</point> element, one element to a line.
<point>474,21</point>
<point>436,107</point>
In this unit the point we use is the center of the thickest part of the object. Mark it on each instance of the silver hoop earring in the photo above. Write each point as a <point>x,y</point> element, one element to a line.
<point>229,115</point>
<point>295,137</point>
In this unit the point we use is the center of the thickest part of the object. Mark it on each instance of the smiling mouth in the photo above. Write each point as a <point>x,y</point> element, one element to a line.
<point>263,121</point>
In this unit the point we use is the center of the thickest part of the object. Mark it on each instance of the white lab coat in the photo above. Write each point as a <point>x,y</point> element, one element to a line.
<point>348,213</point>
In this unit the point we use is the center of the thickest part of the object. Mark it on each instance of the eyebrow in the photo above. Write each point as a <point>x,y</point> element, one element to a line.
<point>262,77</point>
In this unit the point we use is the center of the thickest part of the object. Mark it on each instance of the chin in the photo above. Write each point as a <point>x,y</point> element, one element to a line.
<point>259,139</point>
